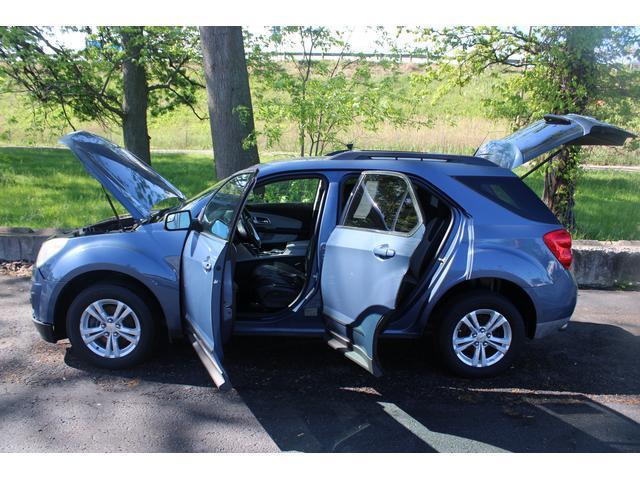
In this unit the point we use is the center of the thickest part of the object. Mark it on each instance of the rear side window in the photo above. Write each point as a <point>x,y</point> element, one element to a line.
<point>383,202</point>
<point>512,194</point>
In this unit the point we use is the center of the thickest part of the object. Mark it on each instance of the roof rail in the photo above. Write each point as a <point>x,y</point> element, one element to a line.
<point>399,155</point>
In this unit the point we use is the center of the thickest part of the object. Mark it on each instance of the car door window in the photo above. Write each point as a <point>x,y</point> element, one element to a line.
<point>292,190</point>
<point>383,202</point>
<point>347,185</point>
<point>218,215</point>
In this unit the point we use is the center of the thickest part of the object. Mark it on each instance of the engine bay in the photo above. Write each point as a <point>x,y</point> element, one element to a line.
<point>122,224</point>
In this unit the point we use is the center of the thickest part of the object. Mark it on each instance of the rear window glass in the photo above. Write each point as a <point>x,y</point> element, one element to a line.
<point>512,194</point>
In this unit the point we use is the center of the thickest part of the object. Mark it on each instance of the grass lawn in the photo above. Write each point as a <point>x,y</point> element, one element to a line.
<point>49,188</point>
<point>607,204</point>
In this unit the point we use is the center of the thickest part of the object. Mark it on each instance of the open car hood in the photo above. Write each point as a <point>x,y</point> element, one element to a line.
<point>544,135</point>
<point>132,182</point>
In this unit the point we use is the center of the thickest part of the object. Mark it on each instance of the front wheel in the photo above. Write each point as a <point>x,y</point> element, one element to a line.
<point>111,326</point>
<point>480,334</point>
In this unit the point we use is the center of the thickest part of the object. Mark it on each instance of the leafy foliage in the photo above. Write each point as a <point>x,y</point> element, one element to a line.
<point>323,97</point>
<point>87,84</point>
<point>297,190</point>
<point>548,70</point>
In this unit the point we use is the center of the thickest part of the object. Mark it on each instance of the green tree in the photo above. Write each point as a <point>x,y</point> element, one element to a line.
<point>543,70</point>
<point>119,77</point>
<point>308,76</point>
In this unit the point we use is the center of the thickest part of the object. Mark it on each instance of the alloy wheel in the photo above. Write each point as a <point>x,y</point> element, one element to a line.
<point>110,328</point>
<point>482,338</point>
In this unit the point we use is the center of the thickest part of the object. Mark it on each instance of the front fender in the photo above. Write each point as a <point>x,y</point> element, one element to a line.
<point>150,257</point>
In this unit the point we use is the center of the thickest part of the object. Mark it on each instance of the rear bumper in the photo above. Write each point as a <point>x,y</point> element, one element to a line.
<point>547,328</point>
<point>554,303</point>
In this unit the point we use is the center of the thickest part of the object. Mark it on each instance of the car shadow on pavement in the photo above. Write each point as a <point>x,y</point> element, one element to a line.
<point>309,398</point>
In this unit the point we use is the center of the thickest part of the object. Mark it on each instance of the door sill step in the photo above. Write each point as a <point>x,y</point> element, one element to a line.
<point>210,363</point>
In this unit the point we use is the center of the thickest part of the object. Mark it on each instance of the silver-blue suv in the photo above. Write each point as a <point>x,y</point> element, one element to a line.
<point>352,246</point>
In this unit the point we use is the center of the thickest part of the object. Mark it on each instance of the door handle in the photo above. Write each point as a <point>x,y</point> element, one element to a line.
<point>384,252</point>
<point>261,220</point>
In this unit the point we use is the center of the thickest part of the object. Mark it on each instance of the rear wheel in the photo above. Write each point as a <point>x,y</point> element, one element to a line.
<point>111,326</point>
<point>479,334</point>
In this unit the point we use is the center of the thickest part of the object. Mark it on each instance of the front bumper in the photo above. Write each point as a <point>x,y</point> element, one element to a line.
<point>40,311</point>
<point>45,330</point>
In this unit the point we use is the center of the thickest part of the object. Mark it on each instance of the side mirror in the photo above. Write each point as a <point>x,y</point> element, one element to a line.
<point>178,220</point>
<point>220,229</point>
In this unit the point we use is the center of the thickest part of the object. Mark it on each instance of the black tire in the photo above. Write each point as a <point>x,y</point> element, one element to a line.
<point>463,304</point>
<point>138,304</point>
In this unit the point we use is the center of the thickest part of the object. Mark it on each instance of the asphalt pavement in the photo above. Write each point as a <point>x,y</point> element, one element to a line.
<point>578,391</point>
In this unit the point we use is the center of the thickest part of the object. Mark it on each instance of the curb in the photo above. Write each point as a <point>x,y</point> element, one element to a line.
<point>596,264</point>
<point>607,265</point>
<point>23,243</point>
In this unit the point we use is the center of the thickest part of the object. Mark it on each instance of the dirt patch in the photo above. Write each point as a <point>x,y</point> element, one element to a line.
<point>16,269</point>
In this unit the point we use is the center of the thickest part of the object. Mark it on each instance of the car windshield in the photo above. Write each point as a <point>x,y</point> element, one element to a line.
<point>195,199</point>
<point>187,204</point>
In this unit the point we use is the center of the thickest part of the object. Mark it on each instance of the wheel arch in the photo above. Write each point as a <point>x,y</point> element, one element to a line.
<point>80,282</point>
<point>514,292</point>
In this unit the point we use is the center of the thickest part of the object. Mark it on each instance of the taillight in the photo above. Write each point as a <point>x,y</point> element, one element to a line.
<point>559,242</point>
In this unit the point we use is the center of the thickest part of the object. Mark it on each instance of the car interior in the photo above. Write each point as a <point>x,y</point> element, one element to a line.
<point>437,219</point>
<point>274,243</point>
<point>275,240</point>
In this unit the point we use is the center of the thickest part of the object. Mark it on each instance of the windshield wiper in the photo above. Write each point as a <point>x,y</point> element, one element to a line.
<point>157,215</point>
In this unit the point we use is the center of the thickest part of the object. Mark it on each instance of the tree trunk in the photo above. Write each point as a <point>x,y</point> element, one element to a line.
<point>135,101</point>
<point>229,99</point>
<point>560,186</point>
<point>576,81</point>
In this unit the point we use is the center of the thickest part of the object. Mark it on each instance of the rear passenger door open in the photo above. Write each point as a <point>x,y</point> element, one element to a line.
<point>366,260</point>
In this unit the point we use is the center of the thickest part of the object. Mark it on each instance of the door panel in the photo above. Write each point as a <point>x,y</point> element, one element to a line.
<point>202,262</point>
<point>279,223</point>
<point>360,287</point>
<point>354,277</point>
<point>363,268</point>
<point>208,261</point>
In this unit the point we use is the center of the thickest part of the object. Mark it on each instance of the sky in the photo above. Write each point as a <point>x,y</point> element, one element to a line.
<point>362,38</point>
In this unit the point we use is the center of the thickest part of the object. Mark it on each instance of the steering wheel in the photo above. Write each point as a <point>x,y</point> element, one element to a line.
<point>247,230</point>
